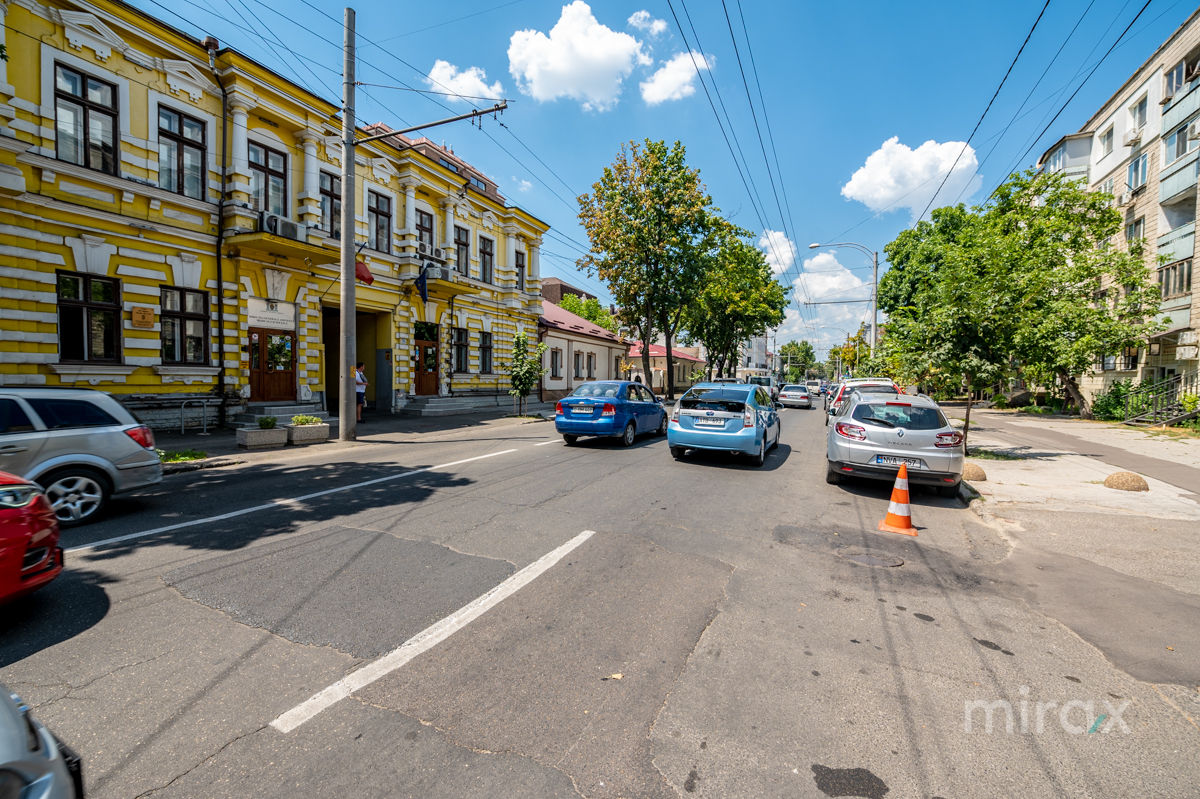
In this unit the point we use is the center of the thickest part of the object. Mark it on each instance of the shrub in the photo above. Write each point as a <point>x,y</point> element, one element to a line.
<point>1190,402</point>
<point>267,422</point>
<point>1000,402</point>
<point>302,419</point>
<point>176,456</point>
<point>1110,405</point>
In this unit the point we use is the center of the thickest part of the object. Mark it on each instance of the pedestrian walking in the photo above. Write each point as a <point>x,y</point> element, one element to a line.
<point>360,389</point>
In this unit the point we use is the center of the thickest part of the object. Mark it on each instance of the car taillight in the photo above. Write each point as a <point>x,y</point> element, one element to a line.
<point>748,418</point>
<point>558,409</point>
<point>143,435</point>
<point>851,431</point>
<point>675,415</point>
<point>608,410</point>
<point>945,440</point>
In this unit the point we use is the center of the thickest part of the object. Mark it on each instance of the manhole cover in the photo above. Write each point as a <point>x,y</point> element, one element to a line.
<point>870,558</point>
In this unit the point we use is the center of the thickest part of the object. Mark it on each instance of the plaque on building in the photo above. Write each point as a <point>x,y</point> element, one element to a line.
<point>142,316</point>
<point>271,314</point>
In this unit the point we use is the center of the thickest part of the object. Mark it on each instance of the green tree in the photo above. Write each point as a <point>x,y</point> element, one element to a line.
<point>525,370</point>
<point>738,299</point>
<point>591,310</point>
<point>652,231</point>
<point>797,357</point>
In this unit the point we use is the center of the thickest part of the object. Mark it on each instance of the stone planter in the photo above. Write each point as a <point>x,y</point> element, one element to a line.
<point>260,438</point>
<point>307,433</point>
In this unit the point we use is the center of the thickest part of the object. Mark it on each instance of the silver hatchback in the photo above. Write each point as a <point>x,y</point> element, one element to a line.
<point>81,445</point>
<point>873,434</point>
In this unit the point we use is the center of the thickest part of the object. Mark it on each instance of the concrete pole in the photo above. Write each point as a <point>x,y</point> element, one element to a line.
<point>874,300</point>
<point>347,426</point>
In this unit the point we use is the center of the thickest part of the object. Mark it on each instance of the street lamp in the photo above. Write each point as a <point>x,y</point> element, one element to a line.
<point>874,282</point>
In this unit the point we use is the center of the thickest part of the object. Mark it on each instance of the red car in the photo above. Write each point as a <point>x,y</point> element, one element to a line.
<point>30,555</point>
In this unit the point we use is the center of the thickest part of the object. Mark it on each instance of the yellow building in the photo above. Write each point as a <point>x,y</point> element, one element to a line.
<point>168,221</point>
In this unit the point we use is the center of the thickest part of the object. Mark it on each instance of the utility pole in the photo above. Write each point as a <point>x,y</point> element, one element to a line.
<point>874,300</point>
<point>347,424</point>
<point>347,401</point>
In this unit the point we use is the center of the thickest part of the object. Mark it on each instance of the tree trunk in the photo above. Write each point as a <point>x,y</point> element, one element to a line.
<point>967,423</point>
<point>669,377</point>
<point>1085,409</point>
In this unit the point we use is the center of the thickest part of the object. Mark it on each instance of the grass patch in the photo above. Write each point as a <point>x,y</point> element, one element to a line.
<point>177,455</point>
<point>992,455</point>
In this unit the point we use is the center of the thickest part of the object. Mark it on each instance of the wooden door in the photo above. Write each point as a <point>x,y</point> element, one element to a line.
<point>272,365</point>
<point>427,368</point>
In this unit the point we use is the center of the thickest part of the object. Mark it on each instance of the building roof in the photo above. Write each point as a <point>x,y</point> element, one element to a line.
<point>659,351</point>
<point>558,318</point>
<point>553,281</point>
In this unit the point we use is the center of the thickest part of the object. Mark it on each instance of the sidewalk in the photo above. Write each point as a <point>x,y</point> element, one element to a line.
<point>220,445</point>
<point>1061,464</point>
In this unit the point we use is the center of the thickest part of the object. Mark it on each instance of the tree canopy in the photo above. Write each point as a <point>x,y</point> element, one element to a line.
<point>591,310</point>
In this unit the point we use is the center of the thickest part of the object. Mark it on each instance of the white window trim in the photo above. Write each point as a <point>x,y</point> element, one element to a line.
<point>49,109</point>
<point>383,191</point>
<point>155,101</point>
<point>268,139</point>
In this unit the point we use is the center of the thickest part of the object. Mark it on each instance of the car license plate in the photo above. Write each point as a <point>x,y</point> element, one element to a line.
<point>581,409</point>
<point>704,422</point>
<point>891,460</point>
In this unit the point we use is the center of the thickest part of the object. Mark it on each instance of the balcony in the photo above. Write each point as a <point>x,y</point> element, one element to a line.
<point>1179,243</point>
<point>1178,178</point>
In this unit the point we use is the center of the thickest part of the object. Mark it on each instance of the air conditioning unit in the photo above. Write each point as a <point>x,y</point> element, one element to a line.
<point>437,273</point>
<point>1193,130</point>
<point>278,226</point>
<point>422,248</point>
<point>1133,137</point>
<point>439,253</point>
<point>1124,198</point>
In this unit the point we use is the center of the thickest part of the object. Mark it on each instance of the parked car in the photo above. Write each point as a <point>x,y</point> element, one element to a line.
<point>33,761</point>
<point>724,380</point>
<point>766,381</point>
<point>795,396</point>
<point>30,555</point>
<point>80,445</point>
<point>874,433</point>
<point>881,385</point>
<point>736,418</point>
<point>616,408</point>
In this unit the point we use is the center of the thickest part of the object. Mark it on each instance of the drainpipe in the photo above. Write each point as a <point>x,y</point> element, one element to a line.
<point>210,43</point>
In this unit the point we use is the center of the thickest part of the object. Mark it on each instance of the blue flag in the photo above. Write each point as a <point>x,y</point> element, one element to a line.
<point>423,286</point>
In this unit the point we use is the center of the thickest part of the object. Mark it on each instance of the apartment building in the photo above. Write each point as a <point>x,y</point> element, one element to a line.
<point>170,213</point>
<point>1142,146</point>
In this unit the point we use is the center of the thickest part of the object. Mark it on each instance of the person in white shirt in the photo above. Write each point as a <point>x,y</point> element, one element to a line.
<point>360,388</point>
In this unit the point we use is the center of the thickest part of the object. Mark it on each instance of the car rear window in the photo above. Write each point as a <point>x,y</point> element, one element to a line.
<point>794,388</point>
<point>909,417</point>
<point>715,399</point>
<point>12,418</point>
<point>58,414</point>
<point>597,390</point>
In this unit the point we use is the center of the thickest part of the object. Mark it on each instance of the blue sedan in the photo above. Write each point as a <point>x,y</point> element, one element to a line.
<point>727,418</point>
<point>616,408</point>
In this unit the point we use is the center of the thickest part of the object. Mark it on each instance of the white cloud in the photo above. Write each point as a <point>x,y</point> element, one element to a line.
<point>522,184</point>
<point>471,82</point>
<point>674,80</point>
<point>580,59</point>
<point>644,22</point>
<point>896,176</point>
<point>779,250</point>
<point>821,277</point>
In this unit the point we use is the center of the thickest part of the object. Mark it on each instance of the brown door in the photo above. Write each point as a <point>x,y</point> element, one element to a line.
<point>272,365</point>
<point>427,368</point>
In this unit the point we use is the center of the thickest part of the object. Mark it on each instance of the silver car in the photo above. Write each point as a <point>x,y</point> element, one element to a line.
<point>795,395</point>
<point>33,761</point>
<point>81,445</point>
<point>873,434</point>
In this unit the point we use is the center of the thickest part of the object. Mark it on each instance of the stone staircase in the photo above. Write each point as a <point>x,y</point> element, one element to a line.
<point>1165,402</point>
<point>283,412</point>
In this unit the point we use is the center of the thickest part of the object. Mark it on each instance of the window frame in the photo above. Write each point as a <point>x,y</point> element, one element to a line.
<point>183,316</point>
<point>331,203</point>
<point>1135,230</point>
<point>1175,279</point>
<point>1137,169</point>
<point>264,169</point>
<point>578,366</point>
<point>1139,112</point>
<point>462,250</point>
<point>425,228</point>
<point>460,340</point>
<point>519,265</point>
<point>87,108</point>
<point>556,363</point>
<point>379,221</point>
<point>486,352</point>
<point>591,366</point>
<point>183,143</point>
<point>487,259</point>
<point>88,307</point>
<point>1175,78</point>
<point>1106,141</point>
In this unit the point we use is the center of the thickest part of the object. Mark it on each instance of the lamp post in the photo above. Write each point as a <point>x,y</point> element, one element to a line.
<point>874,282</point>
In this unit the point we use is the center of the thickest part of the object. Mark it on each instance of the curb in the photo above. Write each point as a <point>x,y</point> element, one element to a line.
<point>196,465</point>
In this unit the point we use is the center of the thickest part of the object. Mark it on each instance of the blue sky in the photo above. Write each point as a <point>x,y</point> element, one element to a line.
<point>868,103</point>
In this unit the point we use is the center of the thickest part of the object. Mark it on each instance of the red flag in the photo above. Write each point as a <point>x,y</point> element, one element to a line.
<point>363,273</point>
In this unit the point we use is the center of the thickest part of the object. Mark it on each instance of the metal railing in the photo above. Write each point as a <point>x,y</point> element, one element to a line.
<point>1161,402</point>
<point>203,414</point>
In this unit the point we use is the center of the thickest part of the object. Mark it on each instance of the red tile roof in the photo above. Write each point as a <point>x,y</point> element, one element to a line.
<point>555,316</point>
<point>659,351</point>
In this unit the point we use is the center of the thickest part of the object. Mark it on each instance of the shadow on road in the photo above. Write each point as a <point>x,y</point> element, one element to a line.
<point>727,460</point>
<point>68,606</point>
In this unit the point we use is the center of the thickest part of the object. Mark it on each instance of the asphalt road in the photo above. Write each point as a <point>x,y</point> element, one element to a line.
<point>519,618</point>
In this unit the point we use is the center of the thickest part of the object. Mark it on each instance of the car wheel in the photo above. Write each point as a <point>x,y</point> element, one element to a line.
<point>677,453</point>
<point>76,494</point>
<point>569,439</point>
<point>778,433</point>
<point>627,437</point>
<point>662,426</point>
<point>761,457</point>
<point>831,476</point>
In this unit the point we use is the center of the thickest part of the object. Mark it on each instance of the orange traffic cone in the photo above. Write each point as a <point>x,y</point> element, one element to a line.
<point>899,517</point>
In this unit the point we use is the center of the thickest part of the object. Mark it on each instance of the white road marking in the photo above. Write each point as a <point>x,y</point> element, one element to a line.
<point>551,441</point>
<point>280,503</point>
<point>425,640</point>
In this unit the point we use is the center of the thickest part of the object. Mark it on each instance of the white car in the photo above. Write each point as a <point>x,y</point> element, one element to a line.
<point>795,395</point>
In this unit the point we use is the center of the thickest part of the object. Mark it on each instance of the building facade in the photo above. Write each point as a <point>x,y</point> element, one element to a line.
<point>1142,147</point>
<point>577,351</point>
<point>170,218</point>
